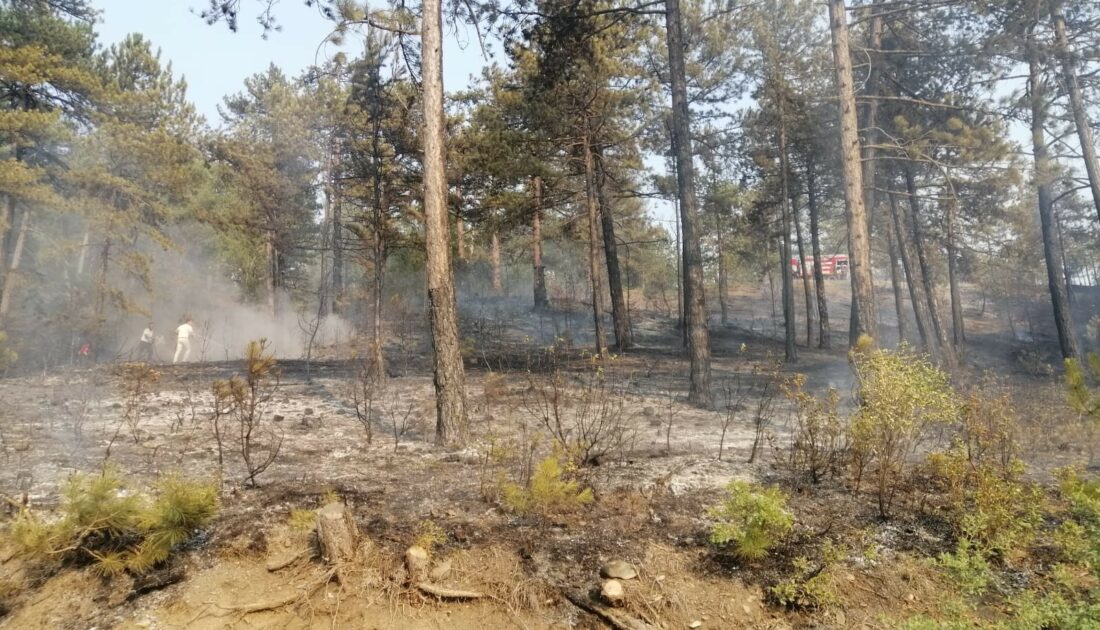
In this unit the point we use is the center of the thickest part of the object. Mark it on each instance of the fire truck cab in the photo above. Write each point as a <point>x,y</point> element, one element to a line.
<point>831,266</point>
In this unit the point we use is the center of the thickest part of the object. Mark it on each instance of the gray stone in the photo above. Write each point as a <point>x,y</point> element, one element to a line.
<point>618,570</point>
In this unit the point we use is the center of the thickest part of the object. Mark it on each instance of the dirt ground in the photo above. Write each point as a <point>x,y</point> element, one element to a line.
<point>652,491</point>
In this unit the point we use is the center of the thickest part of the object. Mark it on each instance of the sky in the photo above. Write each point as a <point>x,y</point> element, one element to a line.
<point>216,61</point>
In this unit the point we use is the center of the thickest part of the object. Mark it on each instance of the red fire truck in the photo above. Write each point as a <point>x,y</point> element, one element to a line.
<point>831,266</point>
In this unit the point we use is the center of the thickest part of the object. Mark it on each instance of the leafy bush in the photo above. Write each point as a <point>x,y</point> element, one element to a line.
<point>1081,398</point>
<point>901,395</point>
<point>819,437</point>
<point>967,567</point>
<point>752,520</point>
<point>102,522</point>
<point>547,493</point>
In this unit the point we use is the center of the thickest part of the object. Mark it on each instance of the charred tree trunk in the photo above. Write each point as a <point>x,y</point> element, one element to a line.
<point>377,303</point>
<point>450,377</point>
<point>1063,320</point>
<point>823,340</point>
<point>594,274</point>
<point>859,245</point>
<point>542,301</point>
<point>494,260</point>
<point>680,281</point>
<point>695,304</point>
<point>1076,101</point>
<point>337,254</point>
<point>916,289</point>
<point>619,317</point>
<point>723,277</point>
<point>895,282</point>
<point>807,289</point>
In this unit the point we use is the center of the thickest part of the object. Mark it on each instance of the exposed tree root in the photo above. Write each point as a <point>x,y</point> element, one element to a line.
<point>287,560</point>
<point>614,618</point>
<point>446,593</point>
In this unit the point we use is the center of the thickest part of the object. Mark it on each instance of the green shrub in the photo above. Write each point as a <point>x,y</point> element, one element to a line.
<point>547,493</point>
<point>102,522</point>
<point>968,568</point>
<point>901,395</point>
<point>1081,398</point>
<point>811,586</point>
<point>819,437</point>
<point>751,520</point>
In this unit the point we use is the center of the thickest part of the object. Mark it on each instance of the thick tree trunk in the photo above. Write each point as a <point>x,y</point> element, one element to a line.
<point>695,304</point>
<point>494,259</point>
<point>807,287</point>
<point>1063,320</point>
<point>868,152</point>
<point>958,329</point>
<point>859,244</point>
<point>594,274</point>
<point>823,340</point>
<point>450,377</point>
<point>790,324</point>
<point>619,317</point>
<point>916,289</point>
<point>13,268</point>
<point>6,223</point>
<point>680,281</point>
<point>1076,101</point>
<point>925,266</point>
<point>895,282</point>
<point>542,301</point>
<point>723,276</point>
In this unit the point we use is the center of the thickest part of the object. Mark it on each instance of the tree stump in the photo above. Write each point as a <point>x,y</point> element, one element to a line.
<point>337,533</point>
<point>416,564</point>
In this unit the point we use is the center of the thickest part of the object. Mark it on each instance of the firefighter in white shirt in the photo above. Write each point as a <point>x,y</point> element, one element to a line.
<point>183,341</point>
<point>145,345</point>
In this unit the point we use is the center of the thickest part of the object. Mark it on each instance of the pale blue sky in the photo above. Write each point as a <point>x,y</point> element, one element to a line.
<point>216,61</point>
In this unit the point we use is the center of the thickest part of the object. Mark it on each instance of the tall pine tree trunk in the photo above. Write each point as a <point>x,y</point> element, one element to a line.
<point>807,287</point>
<point>494,260</point>
<point>619,317</point>
<point>958,329</point>
<point>695,304</point>
<point>790,325</point>
<point>925,266</point>
<point>823,337</point>
<point>542,301</point>
<point>377,302</point>
<point>1044,171</point>
<point>723,274</point>
<point>869,149</point>
<point>859,244</point>
<point>271,281</point>
<point>594,275</point>
<point>895,282</point>
<point>450,377</point>
<point>13,268</point>
<point>337,253</point>
<point>916,289</point>
<point>1076,101</point>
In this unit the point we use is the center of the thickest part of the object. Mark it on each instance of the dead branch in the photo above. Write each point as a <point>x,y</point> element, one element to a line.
<point>614,618</point>
<point>443,592</point>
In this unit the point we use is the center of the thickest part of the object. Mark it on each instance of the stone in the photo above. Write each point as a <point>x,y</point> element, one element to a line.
<point>612,592</point>
<point>695,624</point>
<point>619,570</point>
<point>308,411</point>
<point>278,417</point>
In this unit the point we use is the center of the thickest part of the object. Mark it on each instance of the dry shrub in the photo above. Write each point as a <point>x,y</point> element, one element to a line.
<point>819,436</point>
<point>242,401</point>
<point>585,418</point>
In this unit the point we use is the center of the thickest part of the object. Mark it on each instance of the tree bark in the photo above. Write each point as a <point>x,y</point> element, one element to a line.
<point>680,280</point>
<point>337,252</point>
<point>807,287</point>
<point>337,533</point>
<point>1077,101</point>
<point>916,289</point>
<point>271,281</point>
<point>16,258</point>
<point>594,274</point>
<point>619,317</point>
<point>1063,320</point>
<point>859,245</point>
<point>868,153</point>
<point>823,340</point>
<point>695,305</point>
<point>494,259</point>
<point>542,301</point>
<point>958,329</point>
<point>450,377</point>
<point>378,361</point>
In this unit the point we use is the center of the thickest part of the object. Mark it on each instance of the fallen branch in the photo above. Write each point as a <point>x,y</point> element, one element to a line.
<point>287,560</point>
<point>273,604</point>
<point>446,593</point>
<point>614,618</point>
